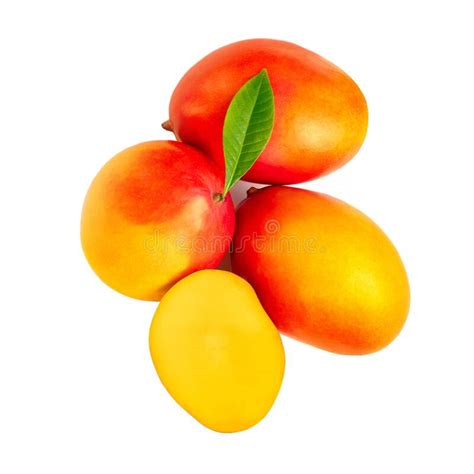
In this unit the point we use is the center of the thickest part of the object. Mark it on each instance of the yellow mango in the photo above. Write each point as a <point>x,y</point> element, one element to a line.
<point>216,350</point>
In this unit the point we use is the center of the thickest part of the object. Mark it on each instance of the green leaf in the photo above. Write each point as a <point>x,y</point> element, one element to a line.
<point>248,126</point>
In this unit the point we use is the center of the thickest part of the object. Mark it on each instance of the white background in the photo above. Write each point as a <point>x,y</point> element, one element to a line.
<point>78,393</point>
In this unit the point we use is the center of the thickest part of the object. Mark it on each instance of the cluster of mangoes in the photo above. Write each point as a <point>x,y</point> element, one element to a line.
<point>158,219</point>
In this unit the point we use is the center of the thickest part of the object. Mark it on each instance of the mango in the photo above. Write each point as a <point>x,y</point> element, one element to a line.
<point>325,273</point>
<point>216,351</point>
<point>153,215</point>
<point>320,113</point>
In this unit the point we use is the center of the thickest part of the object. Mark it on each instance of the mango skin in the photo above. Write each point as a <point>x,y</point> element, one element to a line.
<point>216,350</point>
<point>321,115</point>
<point>325,273</point>
<point>149,218</point>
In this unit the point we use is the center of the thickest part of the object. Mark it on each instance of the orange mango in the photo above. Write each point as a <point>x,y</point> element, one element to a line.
<point>152,216</point>
<point>320,113</point>
<point>325,273</point>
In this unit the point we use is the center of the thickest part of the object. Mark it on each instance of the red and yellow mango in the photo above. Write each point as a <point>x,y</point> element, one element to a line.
<point>325,273</point>
<point>320,113</point>
<point>152,216</point>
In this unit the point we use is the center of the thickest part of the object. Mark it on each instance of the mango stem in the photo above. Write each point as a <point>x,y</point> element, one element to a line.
<point>167,125</point>
<point>218,197</point>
